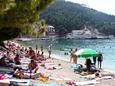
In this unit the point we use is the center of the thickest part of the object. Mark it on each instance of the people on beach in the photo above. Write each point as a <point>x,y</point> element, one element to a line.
<point>94,60</point>
<point>73,57</point>
<point>42,56</point>
<point>8,56</point>
<point>88,64</point>
<point>65,53</point>
<point>17,60</point>
<point>31,52</point>
<point>20,74</point>
<point>98,74</point>
<point>41,47</point>
<point>36,48</point>
<point>49,50</point>
<point>33,66</point>
<point>2,61</point>
<point>38,54</point>
<point>100,59</point>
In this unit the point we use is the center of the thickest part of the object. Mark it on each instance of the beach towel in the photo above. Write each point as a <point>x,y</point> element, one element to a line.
<point>91,82</point>
<point>56,78</point>
<point>22,82</point>
<point>2,76</point>
<point>107,77</point>
<point>50,67</point>
<point>77,68</point>
<point>71,82</point>
<point>49,84</point>
<point>13,83</point>
<point>9,75</point>
<point>60,78</point>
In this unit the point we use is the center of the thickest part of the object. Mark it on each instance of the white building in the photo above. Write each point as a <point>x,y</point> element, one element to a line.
<point>50,31</point>
<point>85,33</point>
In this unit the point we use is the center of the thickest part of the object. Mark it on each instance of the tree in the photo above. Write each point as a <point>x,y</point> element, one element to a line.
<point>16,16</point>
<point>67,16</point>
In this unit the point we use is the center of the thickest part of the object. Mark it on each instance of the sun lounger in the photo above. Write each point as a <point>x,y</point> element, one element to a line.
<point>107,77</point>
<point>60,78</point>
<point>90,77</point>
<point>56,78</point>
<point>49,84</point>
<point>86,83</point>
<point>22,82</point>
<point>11,82</point>
<point>52,66</point>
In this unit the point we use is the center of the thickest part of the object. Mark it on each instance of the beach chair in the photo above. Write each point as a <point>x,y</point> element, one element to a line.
<point>15,82</point>
<point>91,82</point>
<point>43,84</point>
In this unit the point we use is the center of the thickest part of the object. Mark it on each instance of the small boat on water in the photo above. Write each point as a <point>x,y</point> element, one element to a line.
<point>24,39</point>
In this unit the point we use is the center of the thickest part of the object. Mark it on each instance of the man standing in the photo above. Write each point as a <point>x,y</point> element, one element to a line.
<point>41,47</point>
<point>94,60</point>
<point>49,50</point>
<point>73,57</point>
<point>100,59</point>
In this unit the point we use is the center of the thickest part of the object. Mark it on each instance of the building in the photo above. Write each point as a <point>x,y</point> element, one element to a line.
<point>84,33</point>
<point>50,30</point>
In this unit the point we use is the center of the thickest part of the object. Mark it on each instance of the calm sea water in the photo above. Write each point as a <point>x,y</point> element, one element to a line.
<point>61,46</point>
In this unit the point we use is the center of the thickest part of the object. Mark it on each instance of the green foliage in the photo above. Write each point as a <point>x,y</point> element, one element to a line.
<point>7,33</point>
<point>21,14</point>
<point>5,5</point>
<point>37,29</point>
<point>67,16</point>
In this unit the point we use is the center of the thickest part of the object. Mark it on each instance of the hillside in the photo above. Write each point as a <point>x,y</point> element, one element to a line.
<point>68,16</point>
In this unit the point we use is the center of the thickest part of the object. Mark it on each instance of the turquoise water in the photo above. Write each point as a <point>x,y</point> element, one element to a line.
<point>61,46</point>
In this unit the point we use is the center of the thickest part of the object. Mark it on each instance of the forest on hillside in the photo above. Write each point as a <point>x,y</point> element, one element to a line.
<point>68,16</point>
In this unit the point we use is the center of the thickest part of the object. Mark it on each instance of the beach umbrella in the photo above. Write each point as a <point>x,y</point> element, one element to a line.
<point>87,52</point>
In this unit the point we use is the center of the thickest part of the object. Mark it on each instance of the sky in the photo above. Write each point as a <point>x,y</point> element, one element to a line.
<point>106,6</point>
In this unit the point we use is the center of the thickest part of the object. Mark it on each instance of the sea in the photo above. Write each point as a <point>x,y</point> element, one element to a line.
<point>61,48</point>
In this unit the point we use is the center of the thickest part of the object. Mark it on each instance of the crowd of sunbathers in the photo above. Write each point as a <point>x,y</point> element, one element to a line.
<point>13,52</point>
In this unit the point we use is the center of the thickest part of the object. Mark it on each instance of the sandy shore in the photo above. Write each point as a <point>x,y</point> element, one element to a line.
<point>66,73</point>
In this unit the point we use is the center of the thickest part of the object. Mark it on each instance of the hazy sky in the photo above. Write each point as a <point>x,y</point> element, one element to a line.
<point>107,6</point>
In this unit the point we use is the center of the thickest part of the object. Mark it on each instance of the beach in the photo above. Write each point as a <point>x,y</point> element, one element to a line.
<point>61,46</point>
<point>58,72</point>
<point>66,74</point>
<point>57,43</point>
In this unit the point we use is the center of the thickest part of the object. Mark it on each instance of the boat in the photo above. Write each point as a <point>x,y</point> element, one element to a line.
<point>24,39</point>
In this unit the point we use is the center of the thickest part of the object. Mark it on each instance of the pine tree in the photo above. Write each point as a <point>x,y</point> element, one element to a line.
<point>17,16</point>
